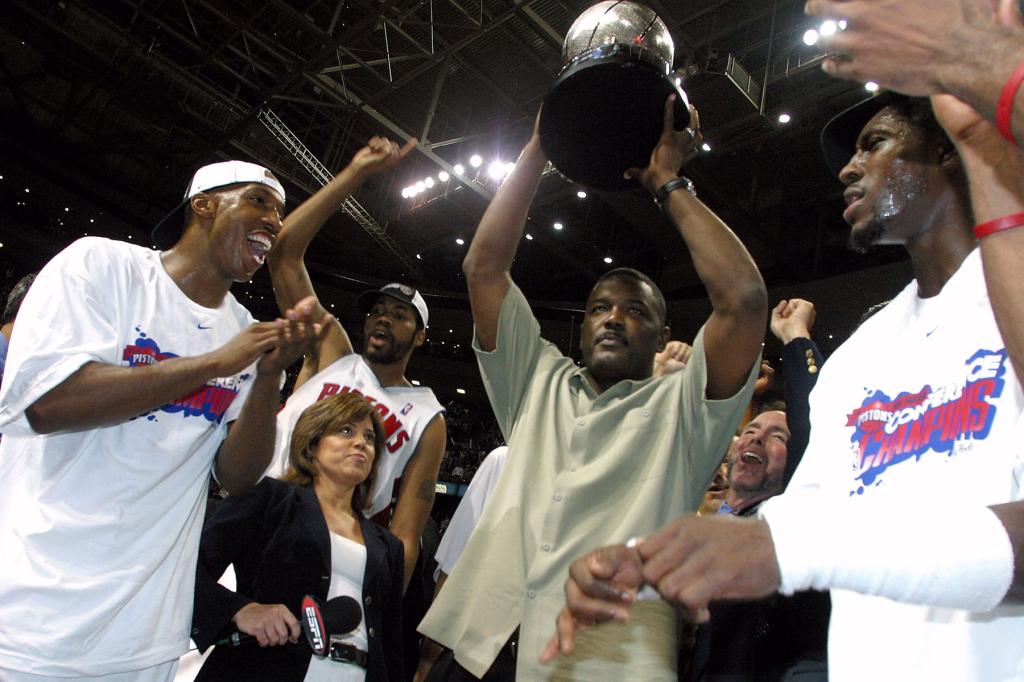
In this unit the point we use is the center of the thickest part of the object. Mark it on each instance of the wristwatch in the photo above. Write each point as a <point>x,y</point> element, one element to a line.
<point>675,183</point>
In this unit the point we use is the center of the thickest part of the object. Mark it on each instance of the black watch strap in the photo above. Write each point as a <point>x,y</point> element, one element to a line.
<point>675,183</point>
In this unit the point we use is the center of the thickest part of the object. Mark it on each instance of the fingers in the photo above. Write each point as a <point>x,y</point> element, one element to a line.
<point>780,309</point>
<point>564,639</point>
<point>668,124</point>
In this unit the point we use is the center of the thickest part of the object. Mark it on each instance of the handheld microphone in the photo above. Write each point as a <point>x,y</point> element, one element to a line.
<point>320,621</point>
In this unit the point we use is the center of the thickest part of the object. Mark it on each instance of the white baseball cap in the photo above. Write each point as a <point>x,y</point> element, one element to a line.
<point>168,230</point>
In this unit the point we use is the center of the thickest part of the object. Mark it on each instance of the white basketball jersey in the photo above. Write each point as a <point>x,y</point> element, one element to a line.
<point>404,410</point>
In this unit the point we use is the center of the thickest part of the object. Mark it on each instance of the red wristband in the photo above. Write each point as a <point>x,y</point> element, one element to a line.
<point>1004,110</point>
<point>1007,222</point>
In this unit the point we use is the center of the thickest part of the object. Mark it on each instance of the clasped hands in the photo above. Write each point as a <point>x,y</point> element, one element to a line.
<point>691,562</point>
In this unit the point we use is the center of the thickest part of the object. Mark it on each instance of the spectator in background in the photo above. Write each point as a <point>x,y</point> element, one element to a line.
<point>14,299</point>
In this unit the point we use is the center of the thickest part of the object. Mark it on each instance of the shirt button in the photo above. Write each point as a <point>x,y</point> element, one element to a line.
<point>580,422</point>
<point>531,594</point>
<point>812,370</point>
<point>370,631</point>
<point>647,413</point>
<point>546,547</point>
<point>558,497</point>
<point>369,600</point>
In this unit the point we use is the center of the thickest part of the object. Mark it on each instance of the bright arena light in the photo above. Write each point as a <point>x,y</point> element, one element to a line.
<point>706,147</point>
<point>496,170</point>
<point>529,237</point>
<point>475,161</point>
<point>871,86</point>
<point>459,169</point>
<point>460,241</point>
<point>608,260</point>
<point>810,37</point>
<point>785,118</point>
<point>558,226</point>
<point>828,28</point>
<point>428,181</point>
<point>420,186</point>
<point>581,194</point>
<point>443,176</point>
<point>405,192</point>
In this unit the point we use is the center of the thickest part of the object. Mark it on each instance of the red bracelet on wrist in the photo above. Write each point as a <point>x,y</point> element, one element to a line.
<point>1004,110</point>
<point>1007,222</point>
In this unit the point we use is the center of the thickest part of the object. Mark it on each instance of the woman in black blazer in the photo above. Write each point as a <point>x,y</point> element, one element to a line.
<point>278,536</point>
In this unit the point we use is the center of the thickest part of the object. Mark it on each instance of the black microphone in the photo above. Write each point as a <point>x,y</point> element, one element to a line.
<point>337,616</point>
<point>235,639</point>
<point>320,621</point>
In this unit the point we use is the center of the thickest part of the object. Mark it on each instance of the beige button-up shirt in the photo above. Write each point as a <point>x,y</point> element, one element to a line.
<point>583,470</point>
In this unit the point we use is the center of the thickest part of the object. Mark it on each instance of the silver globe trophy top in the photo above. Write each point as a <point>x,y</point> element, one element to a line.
<point>604,113</point>
<point>623,22</point>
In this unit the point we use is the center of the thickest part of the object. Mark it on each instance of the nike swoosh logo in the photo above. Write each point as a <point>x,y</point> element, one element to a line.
<point>202,327</point>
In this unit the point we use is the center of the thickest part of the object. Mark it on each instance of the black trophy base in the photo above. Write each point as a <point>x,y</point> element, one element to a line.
<point>604,115</point>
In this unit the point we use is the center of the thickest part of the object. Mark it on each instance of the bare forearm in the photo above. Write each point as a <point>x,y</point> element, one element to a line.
<point>728,272</point>
<point>497,237</point>
<point>249,446</point>
<point>996,176</point>
<point>287,267</point>
<point>71,406</point>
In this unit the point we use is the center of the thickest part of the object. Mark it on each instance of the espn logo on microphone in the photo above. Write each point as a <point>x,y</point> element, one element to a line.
<point>313,625</point>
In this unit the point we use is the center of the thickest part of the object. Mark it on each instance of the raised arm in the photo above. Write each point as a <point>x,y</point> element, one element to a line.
<point>416,496</point>
<point>287,265</point>
<point>926,47</point>
<point>488,262</point>
<point>735,330</point>
<point>249,446</point>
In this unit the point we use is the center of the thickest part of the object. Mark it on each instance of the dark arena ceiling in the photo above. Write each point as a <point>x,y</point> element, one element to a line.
<point>108,107</point>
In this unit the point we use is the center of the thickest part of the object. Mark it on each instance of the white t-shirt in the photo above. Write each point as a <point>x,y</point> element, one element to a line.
<point>919,408</point>
<point>471,506</point>
<point>404,410</point>
<point>348,565</point>
<point>99,528</point>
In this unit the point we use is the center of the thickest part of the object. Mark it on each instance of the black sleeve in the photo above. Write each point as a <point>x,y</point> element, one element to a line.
<point>392,613</point>
<point>226,537</point>
<point>801,361</point>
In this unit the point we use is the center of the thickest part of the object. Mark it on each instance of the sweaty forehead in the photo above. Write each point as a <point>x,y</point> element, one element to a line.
<point>890,119</point>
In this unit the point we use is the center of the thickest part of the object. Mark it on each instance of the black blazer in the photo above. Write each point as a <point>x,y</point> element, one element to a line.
<point>278,541</point>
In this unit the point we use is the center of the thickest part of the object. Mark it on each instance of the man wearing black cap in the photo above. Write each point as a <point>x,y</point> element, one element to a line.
<point>131,373</point>
<point>396,321</point>
<point>901,506</point>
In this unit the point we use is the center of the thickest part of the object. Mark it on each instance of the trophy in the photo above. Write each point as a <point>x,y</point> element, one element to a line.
<point>605,112</point>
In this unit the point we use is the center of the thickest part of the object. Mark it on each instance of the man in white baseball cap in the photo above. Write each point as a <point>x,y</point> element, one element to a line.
<point>132,375</point>
<point>395,325</point>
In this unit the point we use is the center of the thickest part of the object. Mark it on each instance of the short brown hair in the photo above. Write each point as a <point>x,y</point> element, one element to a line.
<point>323,418</point>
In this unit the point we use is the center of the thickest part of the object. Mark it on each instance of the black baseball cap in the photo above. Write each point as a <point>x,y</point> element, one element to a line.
<point>401,292</point>
<point>839,136</point>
